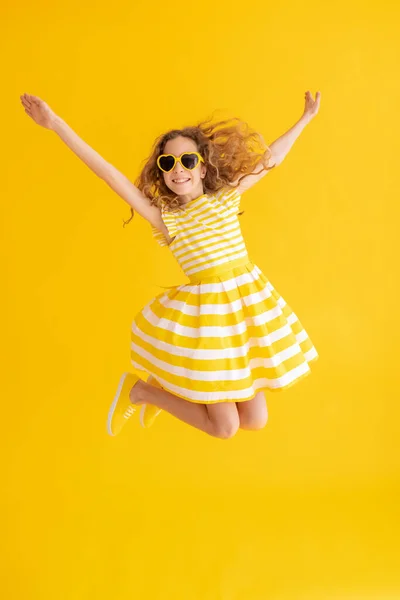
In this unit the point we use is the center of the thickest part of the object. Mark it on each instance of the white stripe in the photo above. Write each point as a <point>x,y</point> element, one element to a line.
<point>212,354</point>
<point>226,354</point>
<point>194,332</point>
<point>196,238</point>
<point>227,254</point>
<point>311,354</point>
<point>207,216</point>
<point>217,217</point>
<point>234,395</point>
<point>201,353</point>
<point>197,258</point>
<point>221,331</point>
<point>257,297</point>
<point>201,309</point>
<point>215,309</point>
<point>214,375</point>
<point>218,330</point>
<point>209,245</point>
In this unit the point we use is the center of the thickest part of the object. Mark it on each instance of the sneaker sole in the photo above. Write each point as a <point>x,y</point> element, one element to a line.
<point>141,416</point>
<point>114,404</point>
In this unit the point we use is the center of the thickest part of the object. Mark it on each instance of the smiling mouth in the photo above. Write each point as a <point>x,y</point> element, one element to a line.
<point>180,182</point>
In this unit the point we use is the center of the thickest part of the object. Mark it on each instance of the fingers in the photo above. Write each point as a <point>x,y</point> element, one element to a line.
<point>25,101</point>
<point>29,99</point>
<point>317,95</point>
<point>27,104</point>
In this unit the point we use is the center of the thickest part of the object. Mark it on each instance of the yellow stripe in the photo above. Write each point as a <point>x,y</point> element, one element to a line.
<point>221,364</point>
<point>159,335</point>
<point>205,247</point>
<point>205,274</point>
<point>223,319</point>
<point>228,384</point>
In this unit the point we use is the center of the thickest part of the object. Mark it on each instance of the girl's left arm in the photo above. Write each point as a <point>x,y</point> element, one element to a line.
<point>283,144</point>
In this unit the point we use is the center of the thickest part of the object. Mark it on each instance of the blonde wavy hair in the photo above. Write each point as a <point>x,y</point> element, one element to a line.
<point>230,149</point>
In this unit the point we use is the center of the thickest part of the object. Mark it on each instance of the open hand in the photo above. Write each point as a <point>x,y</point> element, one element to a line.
<point>38,110</point>
<point>311,106</point>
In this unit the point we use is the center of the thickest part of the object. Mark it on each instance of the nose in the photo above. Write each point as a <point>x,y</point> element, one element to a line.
<point>178,167</point>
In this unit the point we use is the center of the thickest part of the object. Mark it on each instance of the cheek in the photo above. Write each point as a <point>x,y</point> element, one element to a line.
<point>168,180</point>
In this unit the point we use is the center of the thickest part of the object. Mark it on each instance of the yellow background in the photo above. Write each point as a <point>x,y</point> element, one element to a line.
<point>305,509</point>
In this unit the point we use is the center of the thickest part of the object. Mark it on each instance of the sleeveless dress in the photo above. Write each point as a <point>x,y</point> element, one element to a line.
<point>227,333</point>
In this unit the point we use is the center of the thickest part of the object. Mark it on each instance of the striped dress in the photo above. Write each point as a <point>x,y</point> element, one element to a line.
<point>226,334</point>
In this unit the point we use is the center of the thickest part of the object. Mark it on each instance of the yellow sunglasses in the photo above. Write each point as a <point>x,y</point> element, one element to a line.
<point>188,160</point>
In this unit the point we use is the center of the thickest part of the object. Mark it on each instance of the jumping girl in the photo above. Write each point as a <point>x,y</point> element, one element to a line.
<point>213,346</point>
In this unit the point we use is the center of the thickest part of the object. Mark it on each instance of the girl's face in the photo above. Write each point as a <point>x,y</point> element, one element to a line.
<point>192,181</point>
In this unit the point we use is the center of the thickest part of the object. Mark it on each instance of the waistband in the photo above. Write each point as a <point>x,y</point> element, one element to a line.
<point>205,274</point>
<point>218,269</point>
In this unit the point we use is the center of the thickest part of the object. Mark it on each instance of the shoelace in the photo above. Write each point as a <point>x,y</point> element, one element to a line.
<point>129,412</point>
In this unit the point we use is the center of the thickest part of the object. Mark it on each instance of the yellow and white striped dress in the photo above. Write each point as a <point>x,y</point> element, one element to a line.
<point>227,333</point>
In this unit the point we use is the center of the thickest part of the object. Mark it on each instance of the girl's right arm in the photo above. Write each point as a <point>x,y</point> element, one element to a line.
<point>43,115</point>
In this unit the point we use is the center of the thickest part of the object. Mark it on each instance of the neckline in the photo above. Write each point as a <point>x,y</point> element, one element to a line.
<point>193,200</point>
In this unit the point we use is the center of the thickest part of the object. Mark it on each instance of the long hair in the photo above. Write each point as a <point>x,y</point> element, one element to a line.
<point>230,149</point>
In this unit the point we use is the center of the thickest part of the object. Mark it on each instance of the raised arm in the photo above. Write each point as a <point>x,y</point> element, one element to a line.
<point>43,115</point>
<point>281,146</point>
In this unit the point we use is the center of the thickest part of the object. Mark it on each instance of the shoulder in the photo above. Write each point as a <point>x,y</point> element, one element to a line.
<point>228,196</point>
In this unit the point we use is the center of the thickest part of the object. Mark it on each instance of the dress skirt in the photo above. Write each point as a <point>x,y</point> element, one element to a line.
<point>221,338</point>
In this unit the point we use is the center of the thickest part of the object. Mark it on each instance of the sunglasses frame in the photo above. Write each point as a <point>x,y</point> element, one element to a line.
<point>178,158</point>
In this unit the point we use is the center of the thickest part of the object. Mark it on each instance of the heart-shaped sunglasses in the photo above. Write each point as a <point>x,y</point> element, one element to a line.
<point>188,160</point>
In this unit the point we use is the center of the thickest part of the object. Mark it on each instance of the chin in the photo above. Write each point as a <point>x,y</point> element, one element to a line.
<point>182,191</point>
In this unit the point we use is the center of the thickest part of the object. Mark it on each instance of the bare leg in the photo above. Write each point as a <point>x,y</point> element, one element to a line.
<point>253,414</point>
<point>219,420</point>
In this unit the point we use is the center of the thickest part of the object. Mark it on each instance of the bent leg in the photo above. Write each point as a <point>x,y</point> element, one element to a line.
<point>253,414</point>
<point>225,418</point>
<point>219,420</point>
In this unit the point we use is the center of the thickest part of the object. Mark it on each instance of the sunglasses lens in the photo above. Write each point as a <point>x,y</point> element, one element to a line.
<point>166,162</point>
<point>189,161</point>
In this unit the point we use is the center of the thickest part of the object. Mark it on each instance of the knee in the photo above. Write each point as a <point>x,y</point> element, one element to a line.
<point>225,429</point>
<point>254,423</point>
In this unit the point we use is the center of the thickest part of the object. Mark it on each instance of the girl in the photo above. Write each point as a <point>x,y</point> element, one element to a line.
<point>213,346</point>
